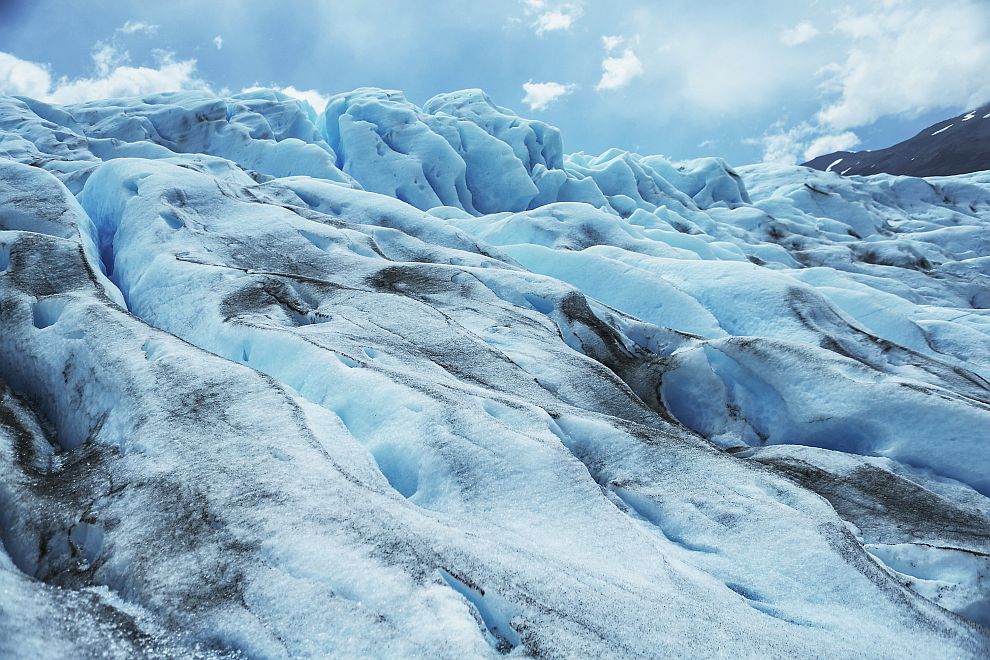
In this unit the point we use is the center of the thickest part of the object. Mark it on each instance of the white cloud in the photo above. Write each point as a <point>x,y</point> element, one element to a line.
<point>551,17</point>
<point>619,71</point>
<point>780,149</point>
<point>826,144</point>
<point>801,33</point>
<point>540,95</point>
<point>714,61</point>
<point>107,57</point>
<point>802,143</point>
<point>612,42</point>
<point>129,81</point>
<point>114,79</point>
<point>316,99</point>
<point>131,27</point>
<point>218,42</point>
<point>112,75</point>
<point>22,78</point>
<point>780,146</point>
<point>902,57</point>
<point>904,60</point>
<point>26,78</point>
<point>313,97</point>
<point>558,19</point>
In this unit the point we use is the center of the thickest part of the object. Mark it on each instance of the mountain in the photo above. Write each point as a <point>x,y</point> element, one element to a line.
<point>954,146</point>
<point>400,381</point>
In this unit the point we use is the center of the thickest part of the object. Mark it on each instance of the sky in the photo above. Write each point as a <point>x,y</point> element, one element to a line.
<point>776,80</point>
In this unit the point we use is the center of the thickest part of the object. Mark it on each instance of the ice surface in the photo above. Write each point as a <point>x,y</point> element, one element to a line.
<point>413,382</point>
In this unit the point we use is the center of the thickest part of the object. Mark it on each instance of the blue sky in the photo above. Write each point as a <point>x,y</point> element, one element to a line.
<point>764,79</point>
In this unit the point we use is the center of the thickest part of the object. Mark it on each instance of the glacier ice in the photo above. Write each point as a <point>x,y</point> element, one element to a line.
<point>388,380</point>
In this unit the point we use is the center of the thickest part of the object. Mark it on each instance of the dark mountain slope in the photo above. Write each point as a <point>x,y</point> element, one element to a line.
<point>954,146</point>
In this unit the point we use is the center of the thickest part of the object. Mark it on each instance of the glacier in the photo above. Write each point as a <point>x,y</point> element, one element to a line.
<point>398,381</point>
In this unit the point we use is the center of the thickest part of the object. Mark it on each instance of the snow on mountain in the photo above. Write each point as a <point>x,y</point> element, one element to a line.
<point>953,146</point>
<point>400,381</point>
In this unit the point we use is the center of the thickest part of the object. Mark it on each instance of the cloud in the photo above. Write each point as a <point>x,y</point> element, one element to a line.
<point>619,71</point>
<point>611,42</point>
<point>788,146</point>
<point>106,57</point>
<point>112,76</point>
<point>218,42</point>
<point>316,99</point>
<point>905,60</point>
<point>540,95</point>
<point>552,17</point>
<point>715,60</point>
<point>558,19</point>
<point>132,27</point>
<point>801,33</point>
<point>129,81</point>
<point>826,144</point>
<point>112,79</point>
<point>22,78</point>
<point>780,146</point>
<point>898,58</point>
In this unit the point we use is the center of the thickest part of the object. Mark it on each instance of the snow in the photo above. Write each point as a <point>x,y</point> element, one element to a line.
<point>834,163</point>
<point>942,130</point>
<point>396,381</point>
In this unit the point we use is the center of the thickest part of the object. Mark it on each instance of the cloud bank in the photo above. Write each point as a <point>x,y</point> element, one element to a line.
<point>112,78</point>
<point>618,70</point>
<point>540,95</point>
